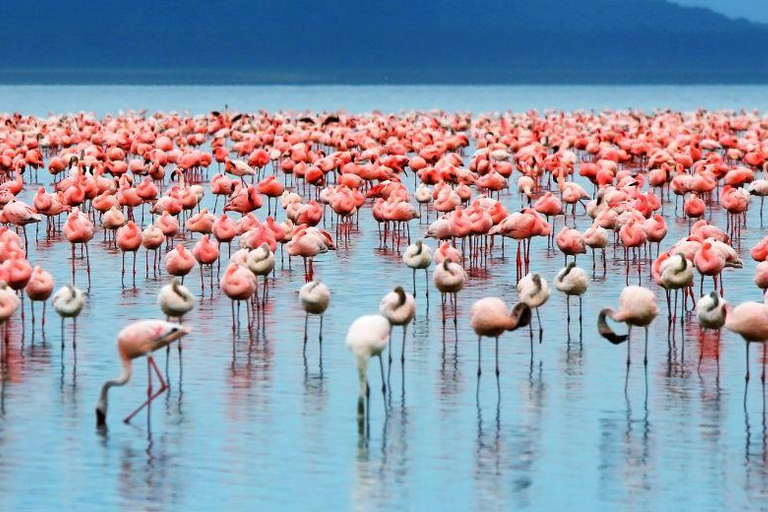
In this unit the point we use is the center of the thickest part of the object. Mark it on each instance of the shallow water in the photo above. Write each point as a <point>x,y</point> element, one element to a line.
<point>249,421</point>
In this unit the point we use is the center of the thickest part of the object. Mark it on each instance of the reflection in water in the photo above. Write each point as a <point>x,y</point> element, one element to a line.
<point>383,471</point>
<point>756,455</point>
<point>625,458</point>
<point>488,456</point>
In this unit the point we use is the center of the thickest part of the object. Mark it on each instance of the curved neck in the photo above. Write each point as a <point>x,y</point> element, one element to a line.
<point>122,380</point>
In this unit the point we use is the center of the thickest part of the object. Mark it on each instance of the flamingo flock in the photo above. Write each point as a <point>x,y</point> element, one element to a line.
<point>436,184</point>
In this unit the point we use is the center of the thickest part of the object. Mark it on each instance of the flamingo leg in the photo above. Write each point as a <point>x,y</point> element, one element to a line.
<point>402,352</point>
<point>645,356</point>
<point>150,396</point>
<point>479,370</point>
<point>383,382</point>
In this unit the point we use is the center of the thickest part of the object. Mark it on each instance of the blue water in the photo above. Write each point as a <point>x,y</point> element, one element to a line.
<point>44,99</point>
<point>249,422</point>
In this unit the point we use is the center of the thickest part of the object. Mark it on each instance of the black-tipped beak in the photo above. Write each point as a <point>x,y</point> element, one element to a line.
<point>101,418</point>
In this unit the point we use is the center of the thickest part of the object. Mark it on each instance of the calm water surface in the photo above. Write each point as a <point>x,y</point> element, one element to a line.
<point>248,421</point>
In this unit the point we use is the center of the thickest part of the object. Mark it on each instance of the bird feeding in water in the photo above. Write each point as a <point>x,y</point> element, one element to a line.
<point>140,339</point>
<point>314,297</point>
<point>637,308</point>
<point>367,337</point>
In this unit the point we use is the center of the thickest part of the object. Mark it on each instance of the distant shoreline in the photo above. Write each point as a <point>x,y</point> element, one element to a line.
<point>205,77</point>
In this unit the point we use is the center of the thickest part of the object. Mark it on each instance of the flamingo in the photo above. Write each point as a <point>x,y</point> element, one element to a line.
<point>261,261</point>
<point>711,311</point>
<point>676,274</point>
<point>398,308</point>
<point>750,321</point>
<point>637,308</point>
<point>534,291</point>
<point>314,297</point>
<point>449,279</point>
<point>175,300</point>
<point>489,317</point>
<point>572,280</point>
<point>419,257</point>
<point>367,337</point>
<point>140,339</point>
<point>239,284</point>
<point>68,302</point>
<point>9,303</point>
<point>39,289</point>
<point>128,239</point>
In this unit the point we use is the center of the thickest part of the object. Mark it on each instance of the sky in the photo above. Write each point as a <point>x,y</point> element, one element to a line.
<point>754,10</point>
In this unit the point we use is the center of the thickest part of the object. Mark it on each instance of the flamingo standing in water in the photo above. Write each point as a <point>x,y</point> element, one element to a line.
<point>179,262</point>
<point>140,339</point>
<point>398,308</point>
<point>68,303</point>
<point>710,311</point>
<point>449,279</point>
<point>79,230</point>
<point>261,261</point>
<point>676,274</point>
<point>750,321</point>
<point>572,281</point>
<point>489,317</point>
<point>39,289</point>
<point>367,337</point>
<point>21,214</point>
<point>128,239</point>
<point>206,252</point>
<point>534,291</point>
<point>175,300</point>
<point>419,257</point>
<point>314,297</point>
<point>637,308</point>
<point>9,303</point>
<point>239,284</point>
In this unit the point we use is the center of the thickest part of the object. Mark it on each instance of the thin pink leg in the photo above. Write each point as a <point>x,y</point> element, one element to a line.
<point>163,386</point>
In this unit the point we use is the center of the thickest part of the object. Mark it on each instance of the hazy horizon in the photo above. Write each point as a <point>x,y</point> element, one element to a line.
<point>402,41</point>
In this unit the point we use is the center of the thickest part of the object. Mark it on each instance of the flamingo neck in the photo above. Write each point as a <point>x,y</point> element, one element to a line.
<point>122,380</point>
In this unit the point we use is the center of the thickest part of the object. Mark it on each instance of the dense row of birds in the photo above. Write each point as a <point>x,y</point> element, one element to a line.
<point>141,179</point>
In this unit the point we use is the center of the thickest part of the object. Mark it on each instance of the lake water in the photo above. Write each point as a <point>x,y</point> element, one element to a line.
<point>249,422</point>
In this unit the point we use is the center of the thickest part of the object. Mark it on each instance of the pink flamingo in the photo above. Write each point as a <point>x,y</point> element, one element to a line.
<point>750,321</point>
<point>179,262</point>
<point>79,230</point>
<point>206,252</point>
<point>128,239</point>
<point>637,308</point>
<point>39,289</point>
<point>140,339</point>
<point>489,317</point>
<point>21,214</point>
<point>239,284</point>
